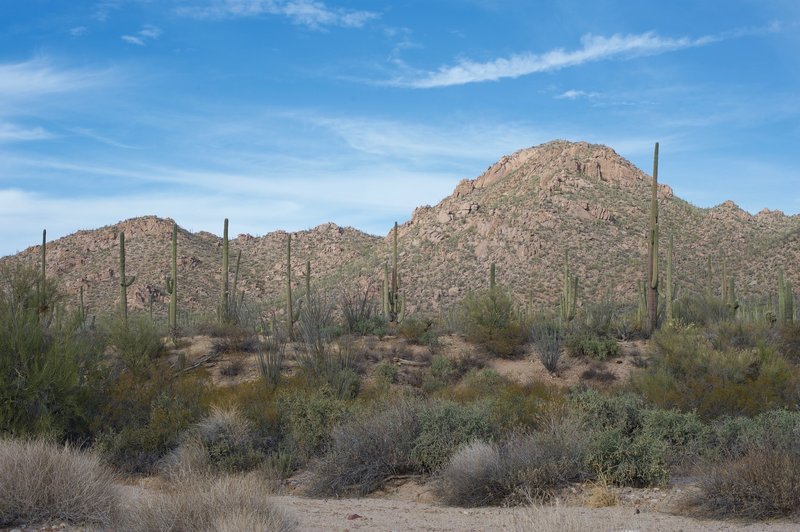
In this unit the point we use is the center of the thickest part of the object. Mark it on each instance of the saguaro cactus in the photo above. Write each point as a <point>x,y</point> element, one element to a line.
<point>652,252</point>
<point>124,281</point>
<point>224,296</point>
<point>394,304</point>
<point>171,283</point>
<point>492,276</point>
<point>569,294</point>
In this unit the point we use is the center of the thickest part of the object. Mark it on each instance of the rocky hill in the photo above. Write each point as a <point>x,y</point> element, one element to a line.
<point>523,214</point>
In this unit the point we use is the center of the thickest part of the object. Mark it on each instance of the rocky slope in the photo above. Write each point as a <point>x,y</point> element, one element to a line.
<point>523,213</point>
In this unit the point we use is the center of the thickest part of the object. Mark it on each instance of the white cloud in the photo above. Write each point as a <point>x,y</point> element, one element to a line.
<point>573,95</point>
<point>77,31</point>
<point>148,32</point>
<point>38,77</point>
<point>593,48</point>
<point>310,13</point>
<point>13,133</point>
<point>130,39</point>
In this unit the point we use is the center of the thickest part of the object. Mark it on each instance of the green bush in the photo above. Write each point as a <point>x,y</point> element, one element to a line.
<point>308,417</point>
<point>146,413</point>
<point>49,362</point>
<point>594,347</point>
<point>444,426</point>
<point>490,319</point>
<point>687,373</point>
<point>137,341</point>
<point>419,331</point>
<point>700,310</point>
<point>636,461</point>
<point>385,373</point>
<point>686,436</point>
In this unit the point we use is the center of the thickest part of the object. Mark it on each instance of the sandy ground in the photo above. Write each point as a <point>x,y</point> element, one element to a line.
<point>382,514</point>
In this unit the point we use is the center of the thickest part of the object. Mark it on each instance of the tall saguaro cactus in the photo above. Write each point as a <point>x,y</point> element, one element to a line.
<point>569,294</point>
<point>172,283</point>
<point>224,297</point>
<point>124,281</point>
<point>492,276</point>
<point>393,302</point>
<point>652,252</point>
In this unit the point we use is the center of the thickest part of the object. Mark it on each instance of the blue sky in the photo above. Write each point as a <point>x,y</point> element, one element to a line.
<point>283,114</point>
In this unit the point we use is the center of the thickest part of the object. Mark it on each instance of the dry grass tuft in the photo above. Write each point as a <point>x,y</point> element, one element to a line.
<point>551,519</point>
<point>43,482</point>
<point>234,502</point>
<point>601,496</point>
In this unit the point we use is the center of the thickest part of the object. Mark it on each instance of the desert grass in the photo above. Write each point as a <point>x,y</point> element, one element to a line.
<point>44,482</point>
<point>205,503</point>
<point>538,518</point>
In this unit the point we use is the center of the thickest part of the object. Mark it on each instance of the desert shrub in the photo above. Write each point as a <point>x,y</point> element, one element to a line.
<point>366,450</point>
<point>137,341</point>
<point>419,331</point>
<point>360,311</point>
<point>145,415</point>
<point>42,482</point>
<point>522,468</point>
<point>444,426</point>
<point>511,405</point>
<point>735,436</point>
<point>308,417</point>
<point>620,450</point>
<point>334,365</point>
<point>734,335</point>
<point>222,442</point>
<point>686,436</point>
<point>591,346</point>
<point>385,373</point>
<point>208,503</point>
<point>243,342</point>
<point>687,373</point>
<point>762,483</point>
<point>490,319</point>
<point>546,338</point>
<point>270,357</point>
<point>49,376</point>
<point>596,372</point>
<point>788,341</point>
<point>700,310</point>
<point>601,317</point>
<point>637,461</point>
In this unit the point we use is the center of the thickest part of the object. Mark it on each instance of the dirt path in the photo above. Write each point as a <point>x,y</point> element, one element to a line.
<point>381,514</point>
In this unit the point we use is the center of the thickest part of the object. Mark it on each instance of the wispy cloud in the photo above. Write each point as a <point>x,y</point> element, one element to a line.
<point>13,133</point>
<point>573,94</point>
<point>313,14</point>
<point>78,31</point>
<point>140,38</point>
<point>593,48</point>
<point>39,76</point>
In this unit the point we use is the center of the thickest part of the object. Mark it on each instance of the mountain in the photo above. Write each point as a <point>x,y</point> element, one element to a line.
<point>523,213</point>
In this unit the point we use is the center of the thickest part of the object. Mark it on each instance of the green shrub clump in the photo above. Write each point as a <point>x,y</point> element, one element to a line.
<point>490,319</point>
<point>49,361</point>
<point>594,347</point>
<point>689,374</point>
